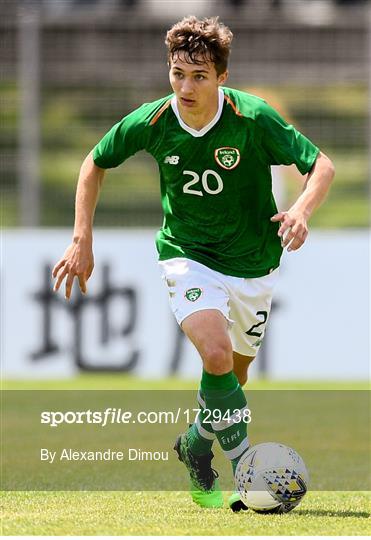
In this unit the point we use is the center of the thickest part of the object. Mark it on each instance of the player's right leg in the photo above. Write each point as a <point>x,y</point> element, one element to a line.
<point>224,397</point>
<point>200,303</point>
<point>193,289</point>
<point>207,329</point>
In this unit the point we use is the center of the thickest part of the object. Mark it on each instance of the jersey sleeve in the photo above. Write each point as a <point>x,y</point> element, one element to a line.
<point>123,140</point>
<point>282,143</point>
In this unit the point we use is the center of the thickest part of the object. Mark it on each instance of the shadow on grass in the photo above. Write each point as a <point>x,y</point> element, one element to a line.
<point>331,513</point>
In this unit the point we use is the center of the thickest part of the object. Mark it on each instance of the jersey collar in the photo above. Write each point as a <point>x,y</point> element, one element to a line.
<point>205,129</point>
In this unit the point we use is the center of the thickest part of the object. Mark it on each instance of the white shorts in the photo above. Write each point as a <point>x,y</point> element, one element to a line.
<point>244,302</point>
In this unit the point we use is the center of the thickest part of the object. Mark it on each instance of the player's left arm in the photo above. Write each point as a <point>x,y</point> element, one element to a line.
<point>294,228</point>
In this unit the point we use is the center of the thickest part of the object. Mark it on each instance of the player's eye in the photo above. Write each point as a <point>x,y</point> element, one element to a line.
<point>178,75</point>
<point>200,77</point>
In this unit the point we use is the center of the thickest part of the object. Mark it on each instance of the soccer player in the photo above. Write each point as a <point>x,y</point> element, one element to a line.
<point>222,238</point>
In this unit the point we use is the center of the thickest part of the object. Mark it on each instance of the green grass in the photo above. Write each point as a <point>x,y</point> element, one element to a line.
<point>95,513</point>
<point>117,513</point>
<point>104,381</point>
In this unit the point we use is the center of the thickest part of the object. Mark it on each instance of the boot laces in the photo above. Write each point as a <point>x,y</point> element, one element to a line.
<point>205,474</point>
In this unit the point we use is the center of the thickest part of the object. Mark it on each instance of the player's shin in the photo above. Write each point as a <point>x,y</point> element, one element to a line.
<point>200,435</point>
<point>226,407</point>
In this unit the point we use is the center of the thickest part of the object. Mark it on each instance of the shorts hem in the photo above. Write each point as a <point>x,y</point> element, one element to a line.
<point>252,354</point>
<point>229,321</point>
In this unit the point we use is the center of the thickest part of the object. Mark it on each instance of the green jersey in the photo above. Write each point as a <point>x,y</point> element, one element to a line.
<point>216,185</point>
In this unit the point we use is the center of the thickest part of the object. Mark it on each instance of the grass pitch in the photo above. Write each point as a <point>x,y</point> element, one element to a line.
<point>173,513</point>
<point>116,513</point>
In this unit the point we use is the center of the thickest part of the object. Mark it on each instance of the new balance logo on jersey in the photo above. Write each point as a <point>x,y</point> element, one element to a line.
<point>172,160</point>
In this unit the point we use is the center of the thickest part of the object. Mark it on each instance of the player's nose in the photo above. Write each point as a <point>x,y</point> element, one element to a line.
<point>187,87</point>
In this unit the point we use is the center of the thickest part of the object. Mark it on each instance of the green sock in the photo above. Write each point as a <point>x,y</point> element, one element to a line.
<point>200,435</point>
<point>226,400</point>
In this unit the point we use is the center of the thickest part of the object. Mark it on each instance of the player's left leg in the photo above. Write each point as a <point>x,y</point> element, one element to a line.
<point>250,310</point>
<point>241,366</point>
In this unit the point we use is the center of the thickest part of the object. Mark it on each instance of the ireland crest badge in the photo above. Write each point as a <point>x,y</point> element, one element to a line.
<point>227,157</point>
<point>193,294</point>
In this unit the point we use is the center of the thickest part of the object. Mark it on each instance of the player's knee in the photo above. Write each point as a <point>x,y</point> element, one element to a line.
<point>217,358</point>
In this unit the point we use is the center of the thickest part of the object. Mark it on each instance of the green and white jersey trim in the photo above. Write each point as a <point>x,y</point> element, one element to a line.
<point>205,129</point>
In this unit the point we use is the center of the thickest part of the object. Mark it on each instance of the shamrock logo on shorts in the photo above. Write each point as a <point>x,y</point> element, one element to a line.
<point>193,294</point>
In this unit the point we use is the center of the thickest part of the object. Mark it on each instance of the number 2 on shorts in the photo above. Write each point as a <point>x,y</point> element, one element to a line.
<point>251,331</point>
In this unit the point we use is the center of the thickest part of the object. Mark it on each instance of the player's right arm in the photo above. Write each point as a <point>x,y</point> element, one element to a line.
<point>123,140</point>
<point>78,259</point>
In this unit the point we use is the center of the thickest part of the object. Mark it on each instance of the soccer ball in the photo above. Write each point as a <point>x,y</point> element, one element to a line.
<point>271,478</point>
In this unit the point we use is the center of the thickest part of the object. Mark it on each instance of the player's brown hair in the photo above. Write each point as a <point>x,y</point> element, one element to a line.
<point>206,40</point>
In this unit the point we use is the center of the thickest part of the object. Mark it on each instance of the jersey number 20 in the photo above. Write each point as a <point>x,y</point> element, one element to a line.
<point>204,181</point>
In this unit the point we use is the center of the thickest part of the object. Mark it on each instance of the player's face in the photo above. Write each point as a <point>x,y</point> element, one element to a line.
<point>195,85</point>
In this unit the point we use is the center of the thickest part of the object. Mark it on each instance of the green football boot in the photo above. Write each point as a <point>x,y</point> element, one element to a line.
<point>205,489</point>
<point>235,503</point>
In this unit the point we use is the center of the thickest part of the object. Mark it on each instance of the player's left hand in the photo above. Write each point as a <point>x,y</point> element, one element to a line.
<point>293,230</point>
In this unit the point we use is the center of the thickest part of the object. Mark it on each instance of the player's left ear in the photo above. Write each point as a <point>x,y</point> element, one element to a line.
<point>223,77</point>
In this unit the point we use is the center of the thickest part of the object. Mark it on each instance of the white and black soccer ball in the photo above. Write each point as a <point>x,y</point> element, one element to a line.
<point>271,478</point>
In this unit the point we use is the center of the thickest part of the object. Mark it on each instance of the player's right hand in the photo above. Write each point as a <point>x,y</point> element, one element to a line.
<point>77,261</point>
